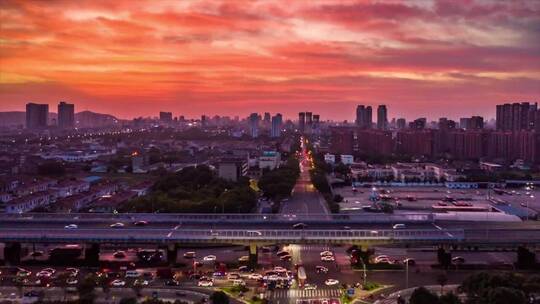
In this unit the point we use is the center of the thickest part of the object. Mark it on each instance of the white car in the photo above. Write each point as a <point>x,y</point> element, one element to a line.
<point>71,226</point>
<point>328,258</point>
<point>73,271</point>
<point>243,258</point>
<point>310,287</point>
<point>382,256</point>
<point>326,252</point>
<point>118,283</point>
<point>255,276</point>
<point>140,282</point>
<point>399,226</point>
<point>239,282</point>
<point>117,225</point>
<point>205,283</point>
<point>331,282</point>
<point>43,274</point>
<point>210,258</point>
<point>72,281</point>
<point>233,276</point>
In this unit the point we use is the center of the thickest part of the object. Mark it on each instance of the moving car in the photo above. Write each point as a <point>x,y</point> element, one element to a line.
<point>71,226</point>
<point>118,283</point>
<point>140,223</point>
<point>190,255</point>
<point>458,260</point>
<point>299,226</point>
<point>310,286</point>
<point>244,258</point>
<point>328,258</point>
<point>120,254</point>
<point>321,269</point>
<point>210,258</point>
<point>117,225</point>
<point>399,226</point>
<point>205,283</point>
<point>72,281</point>
<point>331,282</point>
<point>255,276</point>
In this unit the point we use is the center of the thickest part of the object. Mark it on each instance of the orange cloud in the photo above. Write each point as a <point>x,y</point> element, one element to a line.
<point>230,57</point>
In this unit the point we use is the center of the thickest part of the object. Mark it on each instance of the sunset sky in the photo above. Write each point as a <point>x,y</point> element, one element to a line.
<point>131,58</point>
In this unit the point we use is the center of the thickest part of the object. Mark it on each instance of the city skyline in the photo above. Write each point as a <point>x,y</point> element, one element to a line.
<point>233,58</point>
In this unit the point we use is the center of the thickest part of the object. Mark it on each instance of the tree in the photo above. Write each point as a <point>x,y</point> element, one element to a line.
<point>442,279</point>
<point>423,296</point>
<point>104,283</point>
<point>504,295</point>
<point>61,281</point>
<point>219,297</point>
<point>86,289</point>
<point>128,301</point>
<point>19,284</point>
<point>51,168</point>
<point>449,298</point>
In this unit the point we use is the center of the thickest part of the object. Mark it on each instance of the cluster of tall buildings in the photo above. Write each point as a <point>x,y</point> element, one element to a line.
<point>364,117</point>
<point>518,116</point>
<point>517,136</point>
<point>273,123</point>
<point>308,122</point>
<point>37,116</point>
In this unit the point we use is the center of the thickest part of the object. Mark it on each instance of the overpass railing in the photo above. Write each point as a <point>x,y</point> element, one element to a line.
<point>225,235</point>
<point>232,217</point>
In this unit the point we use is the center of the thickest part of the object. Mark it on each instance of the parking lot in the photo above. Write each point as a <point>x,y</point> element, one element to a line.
<point>423,198</point>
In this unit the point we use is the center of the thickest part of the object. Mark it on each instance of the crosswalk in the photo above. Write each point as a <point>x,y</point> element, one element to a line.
<point>302,293</point>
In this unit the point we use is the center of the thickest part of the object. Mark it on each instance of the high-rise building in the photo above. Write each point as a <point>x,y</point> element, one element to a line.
<point>266,118</point>
<point>66,115</point>
<point>446,124</point>
<point>401,123</point>
<point>277,122</point>
<point>382,117</point>
<point>253,123</point>
<point>165,116</point>
<point>36,115</point>
<point>302,122</point>
<point>204,121</point>
<point>364,115</point>
<point>516,116</point>
<point>316,122</point>
<point>419,123</point>
<point>309,119</point>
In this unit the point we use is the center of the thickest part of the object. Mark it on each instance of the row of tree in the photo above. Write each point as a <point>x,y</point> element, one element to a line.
<point>278,183</point>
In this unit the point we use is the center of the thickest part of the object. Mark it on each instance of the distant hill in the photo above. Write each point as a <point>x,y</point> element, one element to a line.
<point>83,119</point>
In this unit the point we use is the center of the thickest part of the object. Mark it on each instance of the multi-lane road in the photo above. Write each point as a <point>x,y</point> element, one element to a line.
<point>305,198</point>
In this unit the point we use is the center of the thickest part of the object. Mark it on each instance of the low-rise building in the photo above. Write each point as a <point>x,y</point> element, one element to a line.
<point>70,187</point>
<point>232,168</point>
<point>269,160</point>
<point>28,202</point>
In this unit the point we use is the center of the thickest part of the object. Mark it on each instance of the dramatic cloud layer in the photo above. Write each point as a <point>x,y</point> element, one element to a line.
<point>134,58</point>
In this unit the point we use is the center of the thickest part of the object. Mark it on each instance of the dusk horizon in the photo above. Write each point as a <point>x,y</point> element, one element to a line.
<point>420,58</point>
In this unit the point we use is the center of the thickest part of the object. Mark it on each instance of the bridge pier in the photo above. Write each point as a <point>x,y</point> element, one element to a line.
<point>172,254</point>
<point>253,256</point>
<point>12,253</point>
<point>91,254</point>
